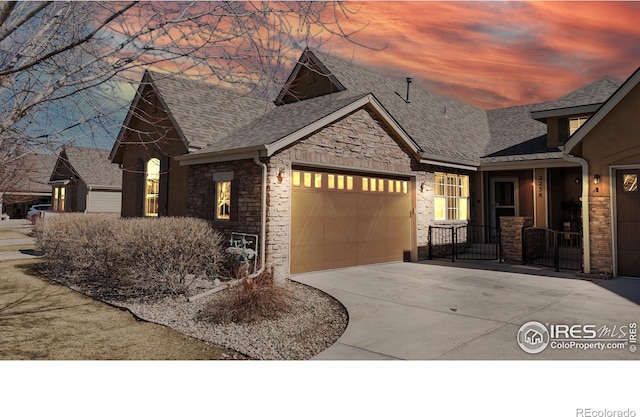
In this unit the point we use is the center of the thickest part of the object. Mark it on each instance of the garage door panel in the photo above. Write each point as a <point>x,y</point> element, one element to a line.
<point>341,204</point>
<point>307,230</point>
<point>371,205</point>
<point>339,255</point>
<point>308,203</point>
<point>371,229</point>
<point>359,226</point>
<point>341,229</point>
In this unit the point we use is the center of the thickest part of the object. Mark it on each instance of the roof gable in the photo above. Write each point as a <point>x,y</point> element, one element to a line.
<point>201,113</point>
<point>309,78</point>
<point>286,124</point>
<point>603,110</point>
<point>585,99</point>
<point>444,128</point>
<point>90,165</point>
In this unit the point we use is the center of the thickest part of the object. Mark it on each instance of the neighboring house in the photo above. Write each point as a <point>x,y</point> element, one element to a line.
<point>84,180</point>
<point>350,167</point>
<point>25,182</point>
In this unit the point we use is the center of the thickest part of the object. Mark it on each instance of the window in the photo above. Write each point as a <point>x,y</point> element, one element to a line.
<point>451,196</point>
<point>58,198</point>
<point>575,123</point>
<point>309,179</point>
<point>378,185</point>
<point>630,183</point>
<point>223,200</point>
<point>152,187</point>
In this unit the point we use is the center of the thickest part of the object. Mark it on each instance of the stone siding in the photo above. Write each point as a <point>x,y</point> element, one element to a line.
<point>511,237</point>
<point>249,175</point>
<point>423,211</point>
<point>600,235</point>
<point>359,141</point>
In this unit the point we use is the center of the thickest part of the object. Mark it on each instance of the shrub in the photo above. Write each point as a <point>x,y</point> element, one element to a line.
<point>253,300</point>
<point>134,257</point>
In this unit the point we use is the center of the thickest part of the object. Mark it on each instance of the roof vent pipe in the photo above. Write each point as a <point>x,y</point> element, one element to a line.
<point>408,84</point>
<point>408,97</point>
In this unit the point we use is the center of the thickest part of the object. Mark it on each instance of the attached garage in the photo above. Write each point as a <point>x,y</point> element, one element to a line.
<point>343,219</point>
<point>628,222</point>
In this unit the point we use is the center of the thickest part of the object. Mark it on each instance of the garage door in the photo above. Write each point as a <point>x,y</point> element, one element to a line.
<point>628,227</point>
<point>343,219</point>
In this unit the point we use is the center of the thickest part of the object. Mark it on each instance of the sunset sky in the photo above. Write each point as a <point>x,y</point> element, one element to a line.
<point>487,54</point>
<point>497,54</point>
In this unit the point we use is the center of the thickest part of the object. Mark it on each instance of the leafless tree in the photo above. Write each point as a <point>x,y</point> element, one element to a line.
<point>63,64</point>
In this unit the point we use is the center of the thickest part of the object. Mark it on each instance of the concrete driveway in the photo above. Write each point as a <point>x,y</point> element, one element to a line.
<point>425,311</point>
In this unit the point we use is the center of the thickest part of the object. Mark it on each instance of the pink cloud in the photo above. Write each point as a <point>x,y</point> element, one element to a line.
<point>496,54</point>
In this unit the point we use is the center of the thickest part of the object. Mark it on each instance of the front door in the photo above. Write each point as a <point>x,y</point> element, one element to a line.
<point>628,222</point>
<point>503,199</point>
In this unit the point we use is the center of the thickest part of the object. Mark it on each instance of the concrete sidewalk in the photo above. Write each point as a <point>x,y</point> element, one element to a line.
<point>17,242</point>
<point>14,256</point>
<point>20,226</point>
<point>417,311</point>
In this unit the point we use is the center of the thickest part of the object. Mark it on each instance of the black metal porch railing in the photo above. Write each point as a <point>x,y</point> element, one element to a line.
<point>470,242</point>
<point>553,249</point>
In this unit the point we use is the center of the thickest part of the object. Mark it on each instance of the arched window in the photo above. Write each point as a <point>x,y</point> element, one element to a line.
<point>152,187</point>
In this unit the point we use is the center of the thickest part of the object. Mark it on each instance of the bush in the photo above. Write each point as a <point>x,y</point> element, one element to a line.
<point>253,300</point>
<point>134,257</point>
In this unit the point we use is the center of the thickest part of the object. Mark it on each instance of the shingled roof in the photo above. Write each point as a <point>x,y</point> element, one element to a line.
<point>596,92</point>
<point>213,119</point>
<point>444,128</point>
<point>91,165</point>
<point>205,113</point>
<point>283,121</point>
<point>31,173</point>
<point>514,132</point>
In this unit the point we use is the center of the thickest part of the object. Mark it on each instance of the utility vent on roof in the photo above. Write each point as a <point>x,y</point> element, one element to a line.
<point>408,99</point>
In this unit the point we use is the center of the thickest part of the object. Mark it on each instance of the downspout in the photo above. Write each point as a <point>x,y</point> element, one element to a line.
<point>263,219</point>
<point>263,238</point>
<point>586,241</point>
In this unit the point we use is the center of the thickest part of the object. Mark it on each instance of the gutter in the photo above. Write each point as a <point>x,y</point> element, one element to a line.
<point>586,240</point>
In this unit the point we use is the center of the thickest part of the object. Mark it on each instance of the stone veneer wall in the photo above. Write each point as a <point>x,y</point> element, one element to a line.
<point>600,235</point>
<point>358,141</point>
<point>249,200</point>
<point>511,237</point>
<point>424,211</point>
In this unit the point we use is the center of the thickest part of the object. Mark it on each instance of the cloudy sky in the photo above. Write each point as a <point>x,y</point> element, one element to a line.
<point>501,53</point>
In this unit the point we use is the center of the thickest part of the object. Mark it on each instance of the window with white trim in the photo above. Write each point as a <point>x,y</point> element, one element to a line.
<point>451,196</point>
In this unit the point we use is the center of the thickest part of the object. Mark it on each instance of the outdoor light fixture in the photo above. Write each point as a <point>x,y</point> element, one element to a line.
<point>596,179</point>
<point>280,175</point>
<point>422,187</point>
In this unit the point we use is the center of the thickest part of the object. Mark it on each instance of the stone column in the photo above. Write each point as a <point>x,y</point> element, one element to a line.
<point>511,237</point>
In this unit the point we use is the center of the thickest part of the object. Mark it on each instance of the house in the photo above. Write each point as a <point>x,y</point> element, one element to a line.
<point>25,183</point>
<point>84,180</point>
<point>349,167</point>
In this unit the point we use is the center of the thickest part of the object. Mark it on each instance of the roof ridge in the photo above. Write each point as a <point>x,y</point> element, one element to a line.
<point>157,76</point>
<point>388,76</point>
